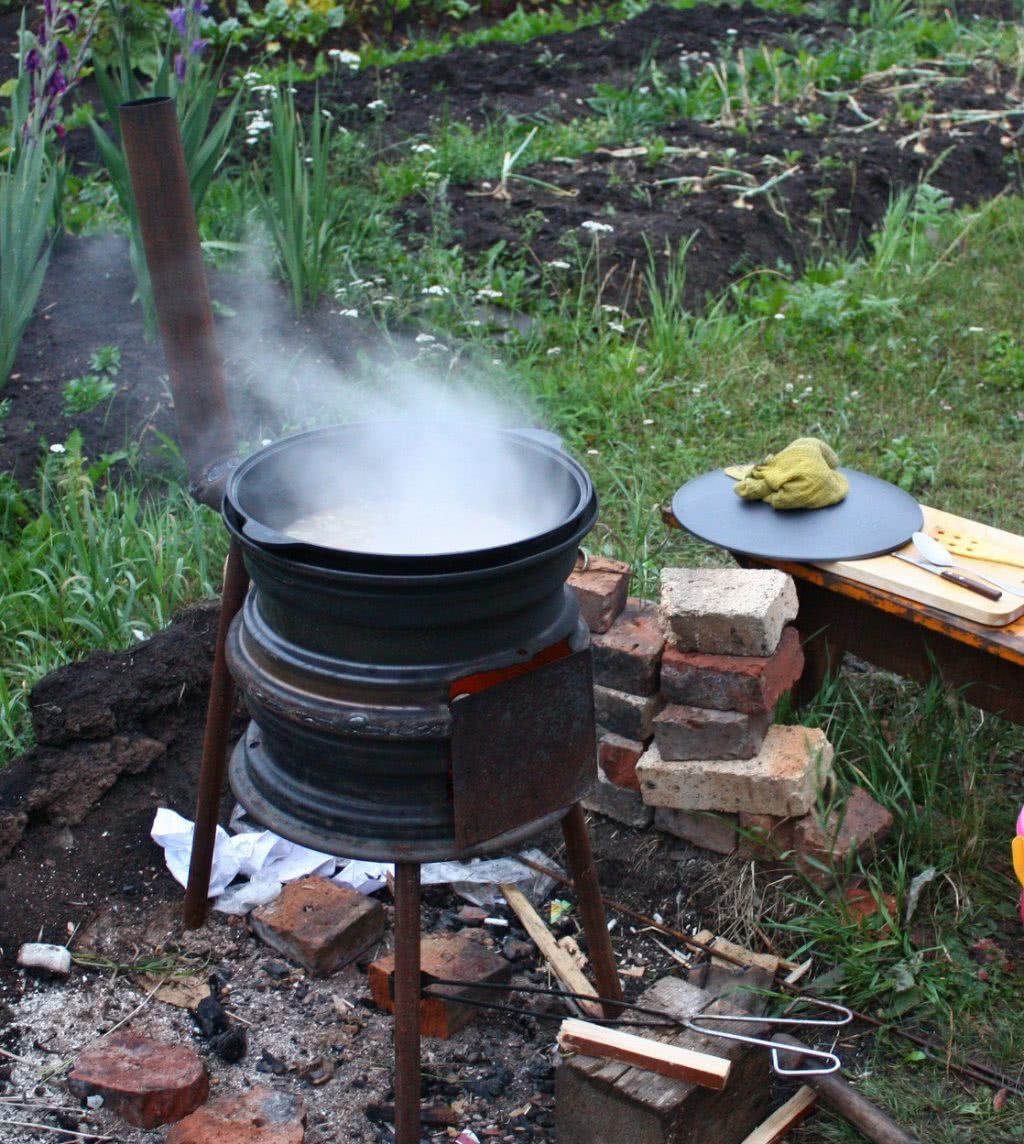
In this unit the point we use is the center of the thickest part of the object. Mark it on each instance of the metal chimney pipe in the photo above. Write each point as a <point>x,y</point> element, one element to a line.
<point>170,237</point>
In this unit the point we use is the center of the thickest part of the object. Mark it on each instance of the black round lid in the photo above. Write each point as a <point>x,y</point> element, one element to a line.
<point>875,517</point>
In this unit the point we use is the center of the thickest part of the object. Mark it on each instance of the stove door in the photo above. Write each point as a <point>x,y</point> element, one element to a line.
<point>523,748</point>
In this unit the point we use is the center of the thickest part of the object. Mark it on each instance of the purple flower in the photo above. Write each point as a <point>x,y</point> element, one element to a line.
<point>70,22</point>
<point>179,18</point>
<point>48,9</point>
<point>56,83</point>
<point>62,53</point>
<point>200,7</point>
<point>179,67</point>
<point>32,61</point>
<point>60,131</point>
<point>196,47</point>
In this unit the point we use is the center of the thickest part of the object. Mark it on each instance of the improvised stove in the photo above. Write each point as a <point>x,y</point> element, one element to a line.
<point>407,706</point>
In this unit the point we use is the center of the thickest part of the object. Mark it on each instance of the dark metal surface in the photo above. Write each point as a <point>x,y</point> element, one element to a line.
<point>278,485</point>
<point>523,748</point>
<point>874,518</point>
<point>215,739</point>
<point>156,163</point>
<point>407,1003</point>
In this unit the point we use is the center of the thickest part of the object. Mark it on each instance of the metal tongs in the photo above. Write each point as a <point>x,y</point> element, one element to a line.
<point>833,1064</point>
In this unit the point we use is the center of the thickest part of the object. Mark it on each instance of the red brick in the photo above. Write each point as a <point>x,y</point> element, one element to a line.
<point>319,925</point>
<point>617,757</point>
<point>700,733</point>
<point>853,831</point>
<point>259,1116</point>
<point>628,655</point>
<point>463,956</point>
<point>145,1082</point>
<point>601,589</point>
<point>747,683</point>
<point>764,836</point>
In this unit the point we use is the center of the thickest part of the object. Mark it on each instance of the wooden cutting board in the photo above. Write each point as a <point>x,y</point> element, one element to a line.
<point>902,579</point>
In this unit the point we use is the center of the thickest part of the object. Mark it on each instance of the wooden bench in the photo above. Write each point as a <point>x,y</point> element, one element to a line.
<point>838,614</point>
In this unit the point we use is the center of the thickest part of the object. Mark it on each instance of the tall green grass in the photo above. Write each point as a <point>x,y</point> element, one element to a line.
<point>91,561</point>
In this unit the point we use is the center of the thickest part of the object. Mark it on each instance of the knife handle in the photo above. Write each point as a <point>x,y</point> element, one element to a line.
<point>971,585</point>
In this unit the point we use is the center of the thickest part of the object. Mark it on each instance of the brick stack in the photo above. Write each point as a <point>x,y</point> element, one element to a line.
<point>685,695</point>
<point>731,654</point>
<point>627,643</point>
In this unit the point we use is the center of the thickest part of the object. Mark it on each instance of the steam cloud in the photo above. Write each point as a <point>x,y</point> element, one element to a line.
<point>430,471</point>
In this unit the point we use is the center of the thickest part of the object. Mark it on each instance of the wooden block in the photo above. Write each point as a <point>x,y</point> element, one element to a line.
<point>785,1118</point>
<point>608,1102</point>
<point>654,1056</point>
<point>462,956</point>
<point>565,968</point>
<point>766,961</point>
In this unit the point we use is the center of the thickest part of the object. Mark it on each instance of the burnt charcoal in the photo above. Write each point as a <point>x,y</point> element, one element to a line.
<point>231,1045</point>
<point>211,1016</point>
<point>268,1063</point>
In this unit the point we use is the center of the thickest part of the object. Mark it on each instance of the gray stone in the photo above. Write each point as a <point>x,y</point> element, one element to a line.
<point>727,611</point>
<point>630,716</point>
<point>701,733</point>
<point>707,829</point>
<point>624,805</point>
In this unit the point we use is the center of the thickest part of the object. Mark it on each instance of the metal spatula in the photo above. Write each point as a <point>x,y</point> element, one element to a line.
<point>936,553</point>
<point>972,547</point>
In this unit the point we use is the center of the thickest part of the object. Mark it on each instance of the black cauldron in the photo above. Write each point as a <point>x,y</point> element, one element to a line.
<point>409,706</point>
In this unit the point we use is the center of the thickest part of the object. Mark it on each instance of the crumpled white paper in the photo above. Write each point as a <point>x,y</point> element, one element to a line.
<point>263,857</point>
<point>268,861</point>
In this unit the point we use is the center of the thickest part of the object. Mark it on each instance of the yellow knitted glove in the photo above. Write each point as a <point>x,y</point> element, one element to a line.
<point>803,475</point>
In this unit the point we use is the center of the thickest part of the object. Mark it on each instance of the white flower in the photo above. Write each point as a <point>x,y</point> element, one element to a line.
<point>325,113</point>
<point>487,292</point>
<point>437,291</point>
<point>424,149</point>
<point>618,327</point>
<point>611,309</point>
<point>425,339</point>
<point>348,59</point>
<point>267,441</point>
<point>780,316</point>
<point>593,453</point>
<point>58,449</point>
<point>348,313</point>
<point>558,264</point>
<point>138,633</point>
<point>597,227</point>
<point>376,105</point>
<point>975,329</point>
<point>648,420</point>
<point>554,351</point>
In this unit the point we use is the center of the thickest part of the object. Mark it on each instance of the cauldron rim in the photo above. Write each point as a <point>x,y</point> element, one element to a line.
<point>414,568</point>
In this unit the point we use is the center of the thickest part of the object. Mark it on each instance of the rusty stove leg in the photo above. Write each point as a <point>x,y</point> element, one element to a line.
<point>215,744</point>
<point>407,1003</point>
<point>588,892</point>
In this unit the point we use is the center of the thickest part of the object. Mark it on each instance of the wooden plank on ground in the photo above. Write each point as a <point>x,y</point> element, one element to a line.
<point>565,968</point>
<point>654,1056</point>
<point>784,1119</point>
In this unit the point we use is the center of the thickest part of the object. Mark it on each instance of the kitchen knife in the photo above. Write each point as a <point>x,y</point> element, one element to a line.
<point>936,553</point>
<point>953,577</point>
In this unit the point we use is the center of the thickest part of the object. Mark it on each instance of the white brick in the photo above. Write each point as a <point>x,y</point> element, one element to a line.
<point>783,779</point>
<point>726,611</point>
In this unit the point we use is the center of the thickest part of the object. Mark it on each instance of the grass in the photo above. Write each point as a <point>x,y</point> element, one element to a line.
<point>88,563</point>
<point>906,355</point>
